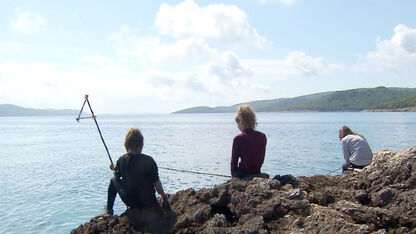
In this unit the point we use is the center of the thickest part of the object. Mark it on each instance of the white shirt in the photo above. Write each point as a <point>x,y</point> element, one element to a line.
<point>356,150</point>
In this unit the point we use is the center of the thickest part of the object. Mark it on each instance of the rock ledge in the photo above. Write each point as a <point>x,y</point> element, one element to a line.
<point>380,199</point>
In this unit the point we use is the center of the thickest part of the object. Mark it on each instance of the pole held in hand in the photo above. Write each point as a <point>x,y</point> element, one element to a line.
<point>96,123</point>
<point>334,170</point>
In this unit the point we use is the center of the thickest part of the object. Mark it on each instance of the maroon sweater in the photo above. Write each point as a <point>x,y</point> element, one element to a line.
<point>250,147</point>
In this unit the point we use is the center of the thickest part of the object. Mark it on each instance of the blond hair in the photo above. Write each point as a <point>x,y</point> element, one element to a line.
<point>246,115</point>
<point>134,138</point>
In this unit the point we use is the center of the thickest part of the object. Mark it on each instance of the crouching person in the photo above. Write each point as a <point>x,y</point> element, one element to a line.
<point>135,180</point>
<point>357,152</point>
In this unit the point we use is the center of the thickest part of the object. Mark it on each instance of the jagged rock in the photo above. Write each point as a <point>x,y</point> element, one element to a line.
<point>376,218</point>
<point>383,197</point>
<point>326,220</point>
<point>219,220</point>
<point>379,199</point>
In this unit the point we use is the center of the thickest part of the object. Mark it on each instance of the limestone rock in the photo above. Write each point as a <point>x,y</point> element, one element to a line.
<point>379,199</point>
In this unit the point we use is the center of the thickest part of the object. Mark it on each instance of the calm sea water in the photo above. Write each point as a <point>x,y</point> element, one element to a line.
<point>54,171</point>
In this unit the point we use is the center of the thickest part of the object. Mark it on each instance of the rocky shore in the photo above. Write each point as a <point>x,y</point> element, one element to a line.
<point>379,199</point>
<point>405,109</point>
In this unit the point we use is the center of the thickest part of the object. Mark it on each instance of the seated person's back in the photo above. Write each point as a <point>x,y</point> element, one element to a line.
<point>139,173</point>
<point>249,146</point>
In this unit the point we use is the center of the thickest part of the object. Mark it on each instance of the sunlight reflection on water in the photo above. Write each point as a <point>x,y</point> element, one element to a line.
<point>54,173</point>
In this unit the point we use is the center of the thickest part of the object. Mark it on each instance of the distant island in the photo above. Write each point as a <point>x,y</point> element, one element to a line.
<point>8,110</point>
<point>363,99</point>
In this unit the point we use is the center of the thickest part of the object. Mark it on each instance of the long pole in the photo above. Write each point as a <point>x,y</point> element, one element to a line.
<point>195,172</point>
<point>334,170</point>
<point>96,123</point>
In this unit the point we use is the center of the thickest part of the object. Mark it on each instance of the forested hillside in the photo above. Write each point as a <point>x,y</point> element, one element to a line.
<point>402,103</point>
<point>346,100</point>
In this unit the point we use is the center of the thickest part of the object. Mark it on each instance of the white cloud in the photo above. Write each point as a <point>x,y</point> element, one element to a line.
<point>159,78</point>
<point>219,79</point>
<point>129,43</point>
<point>208,75</point>
<point>27,23</point>
<point>96,59</point>
<point>397,52</point>
<point>307,65</point>
<point>193,48</point>
<point>405,38</point>
<point>218,72</point>
<point>106,70</point>
<point>33,80</point>
<point>224,79</point>
<point>192,28</point>
<point>227,66</point>
<point>296,63</point>
<point>69,49</point>
<point>283,2</point>
<point>211,77</point>
<point>189,50</point>
<point>17,47</point>
<point>216,22</point>
<point>52,85</point>
<point>275,69</point>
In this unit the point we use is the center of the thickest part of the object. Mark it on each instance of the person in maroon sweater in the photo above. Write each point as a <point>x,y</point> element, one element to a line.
<point>249,146</point>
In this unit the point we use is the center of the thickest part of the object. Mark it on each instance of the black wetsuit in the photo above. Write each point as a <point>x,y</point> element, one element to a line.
<point>134,178</point>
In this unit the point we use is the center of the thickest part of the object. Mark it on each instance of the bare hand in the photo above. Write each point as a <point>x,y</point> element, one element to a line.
<point>112,167</point>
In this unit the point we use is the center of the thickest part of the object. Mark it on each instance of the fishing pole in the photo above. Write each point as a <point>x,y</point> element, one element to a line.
<point>93,116</point>
<point>334,170</point>
<point>194,172</point>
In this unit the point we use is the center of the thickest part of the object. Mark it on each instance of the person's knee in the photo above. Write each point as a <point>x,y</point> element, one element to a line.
<point>113,186</point>
<point>113,180</point>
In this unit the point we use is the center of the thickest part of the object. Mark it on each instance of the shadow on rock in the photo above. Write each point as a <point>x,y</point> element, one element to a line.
<point>379,199</point>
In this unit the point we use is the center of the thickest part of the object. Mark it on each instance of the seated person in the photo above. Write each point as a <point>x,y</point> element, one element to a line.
<point>135,178</point>
<point>249,146</point>
<point>357,152</point>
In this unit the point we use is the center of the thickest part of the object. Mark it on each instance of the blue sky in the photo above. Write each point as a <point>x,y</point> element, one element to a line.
<point>158,57</point>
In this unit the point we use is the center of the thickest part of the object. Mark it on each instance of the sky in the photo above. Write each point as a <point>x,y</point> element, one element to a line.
<point>134,57</point>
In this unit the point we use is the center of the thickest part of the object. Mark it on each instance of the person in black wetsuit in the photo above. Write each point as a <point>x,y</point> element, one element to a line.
<point>135,178</point>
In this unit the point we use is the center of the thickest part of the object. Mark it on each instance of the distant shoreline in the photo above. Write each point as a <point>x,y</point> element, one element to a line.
<point>379,99</point>
<point>9,110</point>
<point>409,109</point>
<point>406,109</point>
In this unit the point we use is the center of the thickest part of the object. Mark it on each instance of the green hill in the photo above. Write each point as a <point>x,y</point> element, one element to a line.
<point>355,99</point>
<point>281,104</point>
<point>402,103</point>
<point>346,100</point>
<point>13,110</point>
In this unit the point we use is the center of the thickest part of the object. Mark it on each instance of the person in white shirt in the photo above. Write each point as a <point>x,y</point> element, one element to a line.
<point>357,152</point>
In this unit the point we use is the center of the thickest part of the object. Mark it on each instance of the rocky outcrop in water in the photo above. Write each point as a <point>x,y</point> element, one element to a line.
<point>379,199</point>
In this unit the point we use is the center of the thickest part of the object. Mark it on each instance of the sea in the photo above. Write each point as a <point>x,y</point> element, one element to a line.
<point>54,171</point>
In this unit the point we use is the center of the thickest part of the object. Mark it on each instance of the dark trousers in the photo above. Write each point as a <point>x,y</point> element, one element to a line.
<point>241,174</point>
<point>115,187</point>
<point>347,165</point>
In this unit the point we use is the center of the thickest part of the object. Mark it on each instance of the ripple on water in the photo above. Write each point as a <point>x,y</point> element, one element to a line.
<point>54,174</point>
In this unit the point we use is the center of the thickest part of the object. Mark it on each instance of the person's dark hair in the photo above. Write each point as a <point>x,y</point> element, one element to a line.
<point>134,138</point>
<point>345,131</point>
